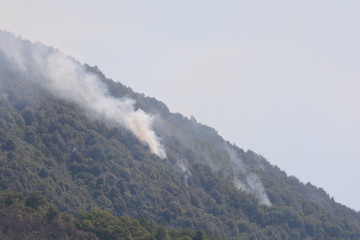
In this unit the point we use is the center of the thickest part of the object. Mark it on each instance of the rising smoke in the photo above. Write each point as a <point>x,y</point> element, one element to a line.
<point>246,180</point>
<point>185,172</point>
<point>68,79</point>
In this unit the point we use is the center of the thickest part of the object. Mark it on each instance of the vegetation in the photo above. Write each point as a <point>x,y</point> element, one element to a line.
<point>102,182</point>
<point>18,220</point>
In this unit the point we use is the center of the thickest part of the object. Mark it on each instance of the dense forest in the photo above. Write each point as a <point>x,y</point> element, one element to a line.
<point>86,169</point>
<point>32,217</point>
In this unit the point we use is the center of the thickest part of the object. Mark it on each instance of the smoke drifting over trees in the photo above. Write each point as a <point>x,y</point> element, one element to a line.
<point>68,79</point>
<point>48,143</point>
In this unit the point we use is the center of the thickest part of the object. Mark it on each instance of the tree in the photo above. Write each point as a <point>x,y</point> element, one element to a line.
<point>35,200</point>
<point>199,235</point>
<point>161,234</point>
<point>51,214</point>
<point>10,197</point>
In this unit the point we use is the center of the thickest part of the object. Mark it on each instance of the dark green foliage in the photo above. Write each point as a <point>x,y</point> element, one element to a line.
<point>78,163</point>
<point>161,234</point>
<point>9,145</point>
<point>51,214</point>
<point>199,235</point>
<point>19,222</point>
<point>34,200</point>
<point>10,197</point>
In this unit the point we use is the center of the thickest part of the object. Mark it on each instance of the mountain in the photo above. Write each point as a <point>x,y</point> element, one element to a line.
<point>32,217</point>
<point>86,142</point>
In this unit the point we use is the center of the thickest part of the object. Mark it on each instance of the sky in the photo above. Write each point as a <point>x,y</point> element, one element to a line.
<point>280,77</point>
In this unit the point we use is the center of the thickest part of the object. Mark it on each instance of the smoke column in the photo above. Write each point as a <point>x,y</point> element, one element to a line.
<point>68,79</point>
<point>247,181</point>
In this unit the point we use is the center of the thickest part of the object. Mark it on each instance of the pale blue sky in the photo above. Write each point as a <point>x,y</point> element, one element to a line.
<point>279,77</point>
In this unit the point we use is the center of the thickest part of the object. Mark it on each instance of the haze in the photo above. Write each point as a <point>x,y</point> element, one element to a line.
<point>278,77</point>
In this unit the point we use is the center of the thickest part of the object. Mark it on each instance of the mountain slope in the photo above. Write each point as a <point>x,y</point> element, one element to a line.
<point>143,161</point>
<point>31,217</point>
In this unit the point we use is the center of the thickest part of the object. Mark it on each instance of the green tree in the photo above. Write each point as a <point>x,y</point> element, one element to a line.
<point>35,200</point>
<point>10,197</point>
<point>161,234</point>
<point>199,235</point>
<point>51,214</point>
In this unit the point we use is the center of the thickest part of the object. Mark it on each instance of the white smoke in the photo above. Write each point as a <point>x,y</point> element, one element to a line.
<point>68,79</point>
<point>247,181</point>
<point>186,172</point>
<point>253,185</point>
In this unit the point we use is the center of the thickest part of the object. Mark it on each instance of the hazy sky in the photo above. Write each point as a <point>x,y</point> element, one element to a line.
<point>281,78</point>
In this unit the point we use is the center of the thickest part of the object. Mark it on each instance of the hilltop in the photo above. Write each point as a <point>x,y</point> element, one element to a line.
<point>85,141</point>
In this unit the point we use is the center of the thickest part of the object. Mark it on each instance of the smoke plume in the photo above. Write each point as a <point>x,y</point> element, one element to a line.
<point>246,180</point>
<point>185,171</point>
<point>66,78</point>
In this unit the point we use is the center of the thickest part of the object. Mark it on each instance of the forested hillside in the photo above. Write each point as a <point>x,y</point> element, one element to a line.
<point>31,217</point>
<point>179,173</point>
